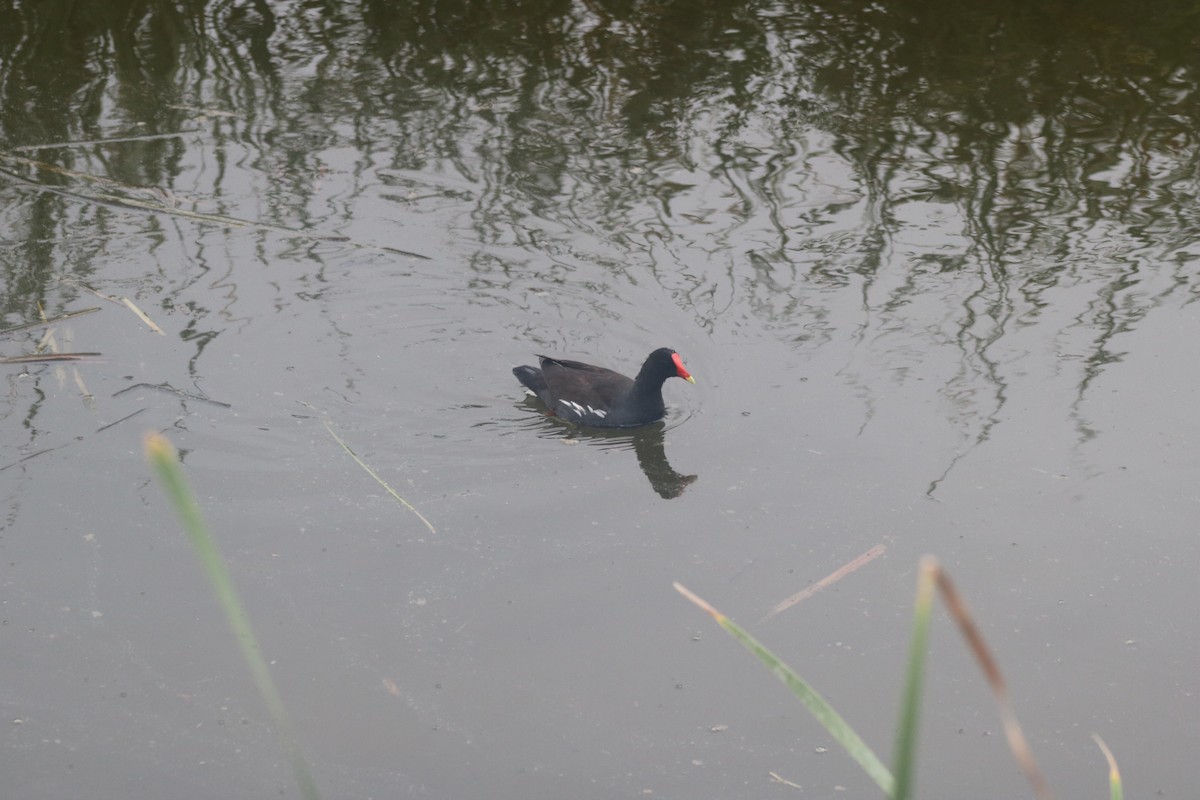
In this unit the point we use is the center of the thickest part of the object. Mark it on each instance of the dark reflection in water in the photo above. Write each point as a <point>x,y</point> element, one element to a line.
<point>987,103</point>
<point>648,443</point>
<point>950,171</point>
<point>1030,124</point>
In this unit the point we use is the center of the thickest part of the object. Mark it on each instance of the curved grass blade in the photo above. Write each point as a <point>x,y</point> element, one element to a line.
<point>165,462</point>
<point>837,727</point>
<point>1115,792</point>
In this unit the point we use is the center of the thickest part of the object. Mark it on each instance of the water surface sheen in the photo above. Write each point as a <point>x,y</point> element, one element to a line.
<point>933,266</point>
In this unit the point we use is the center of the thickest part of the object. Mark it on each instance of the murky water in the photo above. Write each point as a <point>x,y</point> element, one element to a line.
<point>932,267</point>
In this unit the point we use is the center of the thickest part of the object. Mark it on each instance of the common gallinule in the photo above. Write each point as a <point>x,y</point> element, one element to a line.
<point>600,398</point>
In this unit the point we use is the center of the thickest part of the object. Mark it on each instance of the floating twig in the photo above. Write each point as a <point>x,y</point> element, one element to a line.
<point>46,357</point>
<point>775,777</point>
<point>204,112</point>
<point>380,480</point>
<point>84,393</point>
<point>28,326</point>
<point>118,422</point>
<point>158,207</point>
<point>827,581</point>
<point>81,285</point>
<point>77,439</point>
<point>145,137</point>
<point>142,316</point>
<point>166,387</point>
<point>120,301</point>
<point>23,459</point>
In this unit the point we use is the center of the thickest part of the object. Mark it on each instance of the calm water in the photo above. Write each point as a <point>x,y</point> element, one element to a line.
<point>933,268</point>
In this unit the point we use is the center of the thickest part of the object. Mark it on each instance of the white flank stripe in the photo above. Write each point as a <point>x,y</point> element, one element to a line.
<point>583,410</point>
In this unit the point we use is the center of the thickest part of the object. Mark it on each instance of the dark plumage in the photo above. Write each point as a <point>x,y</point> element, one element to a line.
<point>600,398</point>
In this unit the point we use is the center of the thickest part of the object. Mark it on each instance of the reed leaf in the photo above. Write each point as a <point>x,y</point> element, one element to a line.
<point>165,461</point>
<point>910,709</point>
<point>817,705</point>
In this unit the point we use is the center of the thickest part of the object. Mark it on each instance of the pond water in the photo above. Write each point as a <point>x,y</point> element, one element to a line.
<point>932,266</point>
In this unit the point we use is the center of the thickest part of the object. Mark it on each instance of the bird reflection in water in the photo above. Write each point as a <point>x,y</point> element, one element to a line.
<point>647,442</point>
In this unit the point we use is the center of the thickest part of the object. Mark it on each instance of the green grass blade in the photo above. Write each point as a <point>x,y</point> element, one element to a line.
<point>906,734</point>
<point>163,459</point>
<point>1115,792</point>
<point>837,727</point>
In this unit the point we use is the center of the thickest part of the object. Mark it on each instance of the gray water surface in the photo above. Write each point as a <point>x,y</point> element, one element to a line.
<point>933,267</point>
